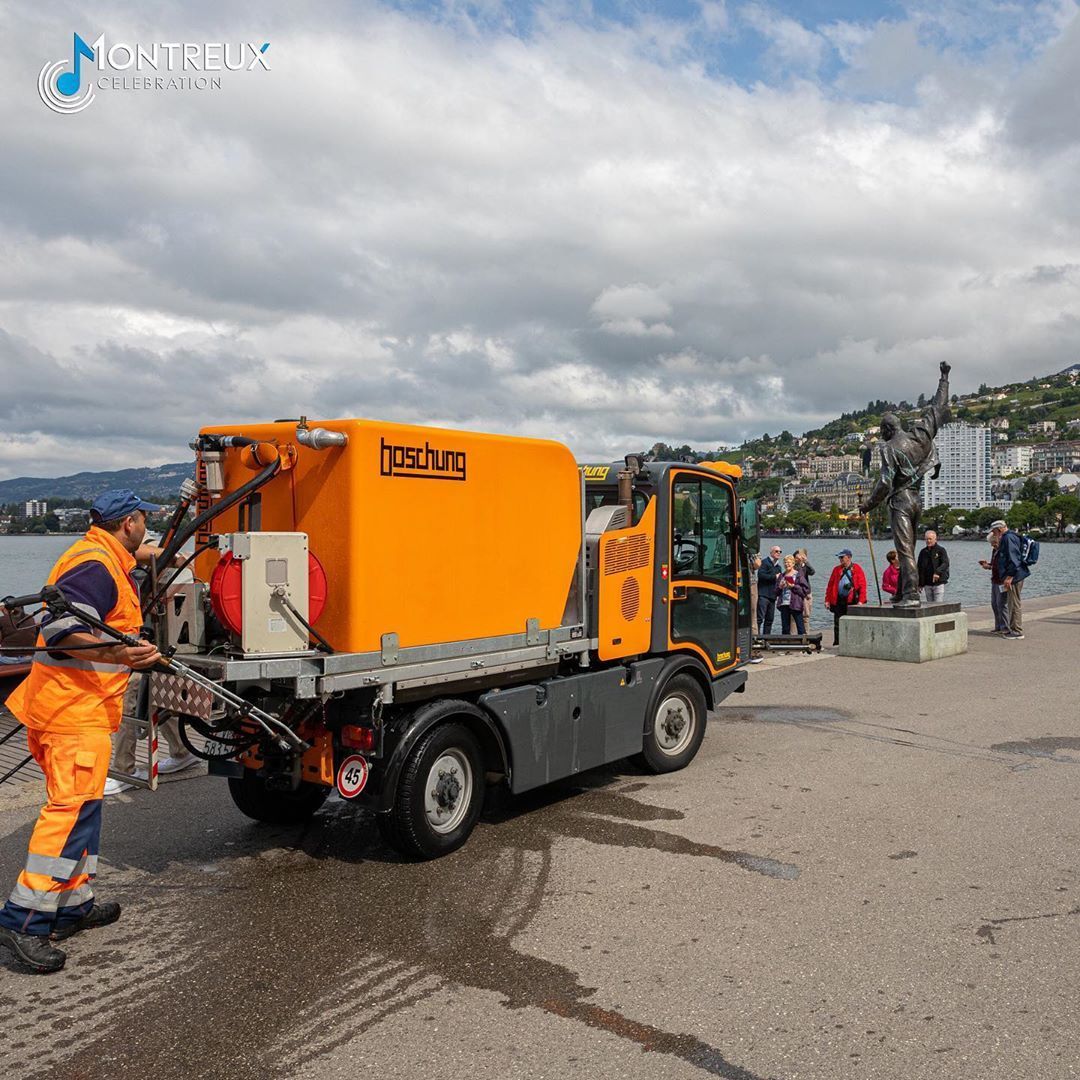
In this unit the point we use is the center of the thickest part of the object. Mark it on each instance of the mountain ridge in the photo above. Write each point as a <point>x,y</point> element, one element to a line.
<point>154,482</point>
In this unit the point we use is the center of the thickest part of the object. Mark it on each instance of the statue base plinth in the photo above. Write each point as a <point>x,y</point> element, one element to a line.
<point>911,635</point>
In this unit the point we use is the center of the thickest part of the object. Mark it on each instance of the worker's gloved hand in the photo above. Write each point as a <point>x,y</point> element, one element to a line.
<point>135,656</point>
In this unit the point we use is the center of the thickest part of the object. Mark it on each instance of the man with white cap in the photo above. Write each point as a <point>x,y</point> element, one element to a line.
<point>1012,571</point>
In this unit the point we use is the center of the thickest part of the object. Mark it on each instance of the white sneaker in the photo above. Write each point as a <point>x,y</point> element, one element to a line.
<point>173,764</point>
<point>114,787</point>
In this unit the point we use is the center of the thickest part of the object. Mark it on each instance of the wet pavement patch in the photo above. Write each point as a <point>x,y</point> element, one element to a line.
<point>1046,746</point>
<point>331,934</point>
<point>781,714</point>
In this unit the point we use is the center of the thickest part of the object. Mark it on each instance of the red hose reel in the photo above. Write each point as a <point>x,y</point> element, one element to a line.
<point>226,591</point>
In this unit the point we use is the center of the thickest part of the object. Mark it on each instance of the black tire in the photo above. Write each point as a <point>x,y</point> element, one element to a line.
<point>410,827</point>
<point>251,796</point>
<point>675,726</point>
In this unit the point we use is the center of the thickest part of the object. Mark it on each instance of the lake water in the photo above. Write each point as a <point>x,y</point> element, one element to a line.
<point>1057,571</point>
<point>25,562</point>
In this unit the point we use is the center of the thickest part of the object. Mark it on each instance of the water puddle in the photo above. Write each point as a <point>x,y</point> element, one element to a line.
<point>1047,746</point>
<point>333,936</point>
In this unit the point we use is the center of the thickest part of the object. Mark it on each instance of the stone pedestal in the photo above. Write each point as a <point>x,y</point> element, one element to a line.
<point>913,635</point>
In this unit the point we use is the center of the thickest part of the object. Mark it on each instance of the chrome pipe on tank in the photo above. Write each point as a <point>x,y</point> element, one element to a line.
<point>319,438</point>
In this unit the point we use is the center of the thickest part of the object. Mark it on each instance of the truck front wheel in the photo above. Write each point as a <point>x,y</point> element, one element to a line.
<point>676,727</point>
<point>439,795</point>
<point>252,797</point>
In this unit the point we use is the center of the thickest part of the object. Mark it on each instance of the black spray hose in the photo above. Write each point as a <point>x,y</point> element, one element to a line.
<point>233,746</point>
<point>241,493</point>
<point>324,645</point>
<point>162,590</point>
<point>19,650</point>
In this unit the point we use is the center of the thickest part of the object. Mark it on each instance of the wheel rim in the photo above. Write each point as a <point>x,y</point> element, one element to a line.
<point>448,791</point>
<point>675,724</point>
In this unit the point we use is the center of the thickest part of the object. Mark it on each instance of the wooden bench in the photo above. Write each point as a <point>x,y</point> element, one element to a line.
<point>810,642</point>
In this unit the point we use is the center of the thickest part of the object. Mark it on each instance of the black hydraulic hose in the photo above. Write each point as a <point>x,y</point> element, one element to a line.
<point>159,595</point>
<point>230,500</point>
<point>19,650</point>
<point>324,645</point>
<point>208,731</point>
<point>185,738</point>
<point>11,772</point>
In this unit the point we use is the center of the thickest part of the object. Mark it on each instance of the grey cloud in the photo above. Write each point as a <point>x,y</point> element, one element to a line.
<point>578,234</point>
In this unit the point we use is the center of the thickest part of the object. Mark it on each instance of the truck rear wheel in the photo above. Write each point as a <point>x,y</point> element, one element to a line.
<point>252,797</point>
<point>439,794</point>
<point>676,726</point>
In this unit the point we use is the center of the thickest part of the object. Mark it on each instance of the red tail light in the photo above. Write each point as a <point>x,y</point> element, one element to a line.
<point>359,738</point>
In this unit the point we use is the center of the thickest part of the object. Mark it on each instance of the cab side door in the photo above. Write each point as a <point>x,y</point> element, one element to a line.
<point>703,579</point>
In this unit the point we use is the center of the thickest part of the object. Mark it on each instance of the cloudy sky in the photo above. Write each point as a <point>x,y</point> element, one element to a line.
<point>606,223</point>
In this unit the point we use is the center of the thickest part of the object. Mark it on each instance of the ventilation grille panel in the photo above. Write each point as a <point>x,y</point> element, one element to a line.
<point>630,598</point>
<point>626,553</point>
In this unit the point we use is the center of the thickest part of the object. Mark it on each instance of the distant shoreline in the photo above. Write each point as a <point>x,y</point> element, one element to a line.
<point>945,537</point>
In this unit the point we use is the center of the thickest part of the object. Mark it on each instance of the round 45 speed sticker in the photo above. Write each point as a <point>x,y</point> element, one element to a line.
<point>352,776</point>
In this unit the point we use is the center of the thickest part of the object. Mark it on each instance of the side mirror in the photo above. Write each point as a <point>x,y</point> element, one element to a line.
<point>750,524</point>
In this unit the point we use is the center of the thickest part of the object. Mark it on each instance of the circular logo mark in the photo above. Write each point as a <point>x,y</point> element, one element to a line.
<point>50,81</point>
<point>352,776</point>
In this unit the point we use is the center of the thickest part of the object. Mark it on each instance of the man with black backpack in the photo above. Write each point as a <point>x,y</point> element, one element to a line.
<point>1016,555</point>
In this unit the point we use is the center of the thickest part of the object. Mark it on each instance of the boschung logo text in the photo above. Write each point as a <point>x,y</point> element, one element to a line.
<point>166,65</point>
<point>421,462</point>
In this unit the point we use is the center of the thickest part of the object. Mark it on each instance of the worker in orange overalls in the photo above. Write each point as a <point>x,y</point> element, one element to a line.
<point>70,703</point>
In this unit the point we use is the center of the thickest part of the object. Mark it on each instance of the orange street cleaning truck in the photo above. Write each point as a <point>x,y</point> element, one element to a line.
<point>432,612</point>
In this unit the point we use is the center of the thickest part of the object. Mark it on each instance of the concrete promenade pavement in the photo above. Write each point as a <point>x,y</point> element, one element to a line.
<point>869,871</point>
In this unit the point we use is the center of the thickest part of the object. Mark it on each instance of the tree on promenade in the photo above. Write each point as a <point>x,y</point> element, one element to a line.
<point>1060,511</point>
<point>940,518</point>
<point>1023,514</point>
<point>1039,490</point>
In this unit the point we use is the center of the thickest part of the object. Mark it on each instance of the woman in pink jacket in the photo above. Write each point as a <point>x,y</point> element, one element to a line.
<point>890,580</point>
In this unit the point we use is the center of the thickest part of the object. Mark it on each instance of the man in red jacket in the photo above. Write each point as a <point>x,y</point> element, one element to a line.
<point>847,586</point>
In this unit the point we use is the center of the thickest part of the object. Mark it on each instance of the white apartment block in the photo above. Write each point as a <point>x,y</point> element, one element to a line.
<point>1012,459</point>
<point>36,508</point>
<point>964,480</point>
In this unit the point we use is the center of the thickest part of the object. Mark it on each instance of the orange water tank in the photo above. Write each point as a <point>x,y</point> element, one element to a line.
<point>431,534</point>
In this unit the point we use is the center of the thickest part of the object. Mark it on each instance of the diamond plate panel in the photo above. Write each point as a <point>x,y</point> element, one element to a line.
<point>177,694</point>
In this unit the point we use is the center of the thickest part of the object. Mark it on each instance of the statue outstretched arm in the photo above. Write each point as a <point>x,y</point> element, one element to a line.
<point>939,413</point>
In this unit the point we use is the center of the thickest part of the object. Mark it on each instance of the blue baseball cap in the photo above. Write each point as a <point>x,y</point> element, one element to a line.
<point>844,551</point>
<point>117,504</point>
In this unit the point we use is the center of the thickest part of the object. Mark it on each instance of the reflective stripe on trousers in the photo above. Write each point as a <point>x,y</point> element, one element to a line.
<point>54,886</point>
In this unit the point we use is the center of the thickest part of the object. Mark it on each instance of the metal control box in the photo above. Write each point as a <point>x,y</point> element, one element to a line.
<point>274,582</point>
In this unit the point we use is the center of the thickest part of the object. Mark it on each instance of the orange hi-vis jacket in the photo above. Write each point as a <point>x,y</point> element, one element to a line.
<point>77,692</point>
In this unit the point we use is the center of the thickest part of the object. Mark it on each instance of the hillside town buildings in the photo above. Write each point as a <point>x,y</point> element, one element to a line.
<point>1009,460</point>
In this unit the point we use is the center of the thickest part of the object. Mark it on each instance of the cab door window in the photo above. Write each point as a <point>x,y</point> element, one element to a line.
<point>701,532</point>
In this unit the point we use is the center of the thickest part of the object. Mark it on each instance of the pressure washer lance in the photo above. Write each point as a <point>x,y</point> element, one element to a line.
<point>58,604</point>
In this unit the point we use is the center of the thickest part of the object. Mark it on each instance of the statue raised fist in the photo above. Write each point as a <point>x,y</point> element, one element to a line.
<point>945,368</point>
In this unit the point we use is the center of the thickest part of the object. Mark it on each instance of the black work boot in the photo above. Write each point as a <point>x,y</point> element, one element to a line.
<point>99,915</point>
<point>33,950</point>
